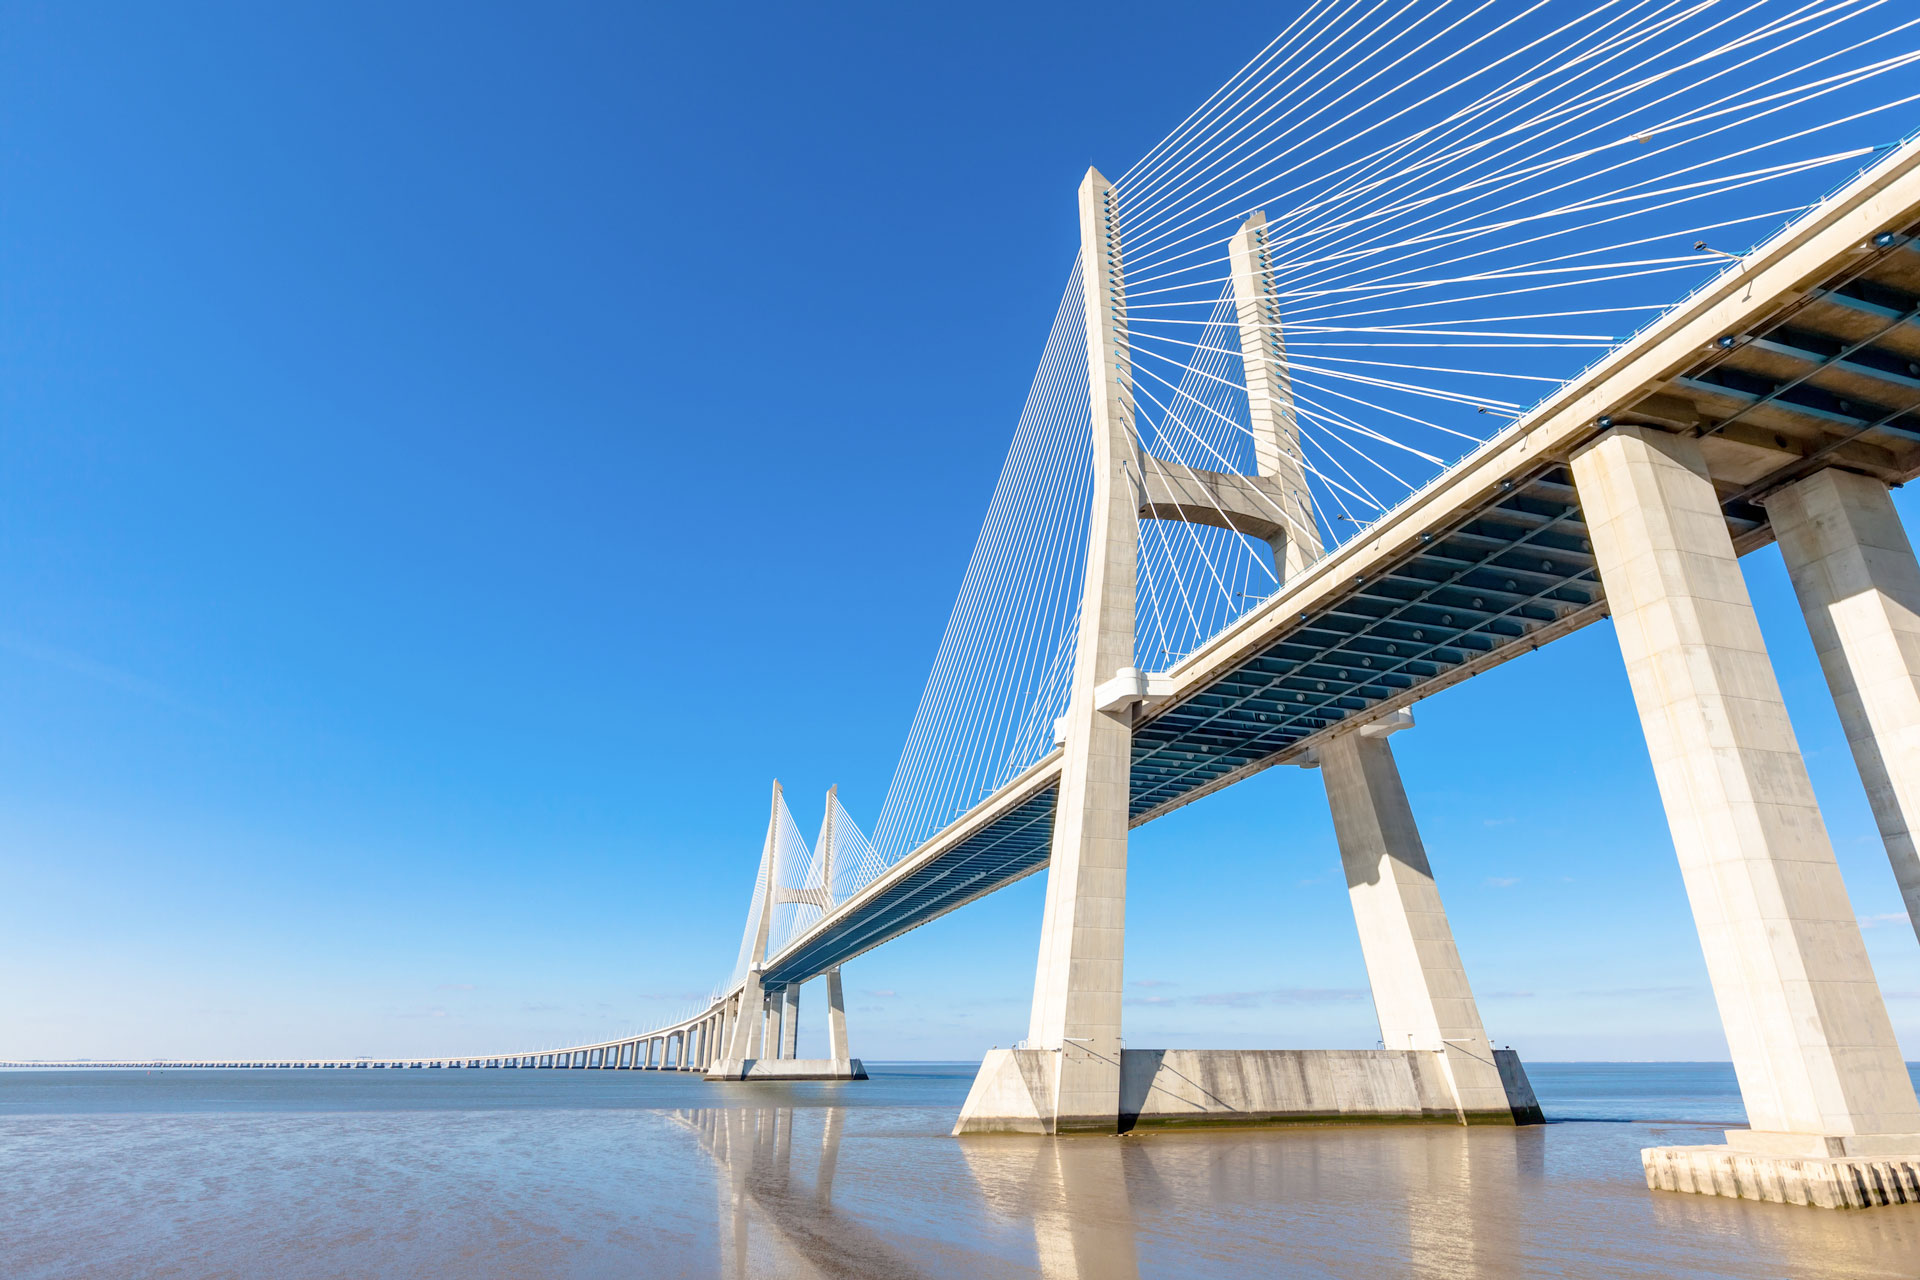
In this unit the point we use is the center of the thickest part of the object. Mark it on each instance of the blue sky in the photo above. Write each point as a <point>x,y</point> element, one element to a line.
<point>452,460</point>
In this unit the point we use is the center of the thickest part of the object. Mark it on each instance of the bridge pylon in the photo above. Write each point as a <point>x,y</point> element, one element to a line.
<point>761,1023</point>
<point>1072,1073</point>
<point>1074,1029</point>
<point>746,1038</point>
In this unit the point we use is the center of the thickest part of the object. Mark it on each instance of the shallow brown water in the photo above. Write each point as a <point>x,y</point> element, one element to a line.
<point>616,1174</point>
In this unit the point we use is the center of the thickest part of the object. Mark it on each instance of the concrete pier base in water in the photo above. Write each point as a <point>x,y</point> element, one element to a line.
<point>788,1069</point>
<point>1839,1181</point>
<point>1197,1088</point>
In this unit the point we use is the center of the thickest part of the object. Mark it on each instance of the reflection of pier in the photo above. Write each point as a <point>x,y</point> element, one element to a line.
<point>790,1202</point>
<point>1418,1202</point>
<point>1435,1202</point>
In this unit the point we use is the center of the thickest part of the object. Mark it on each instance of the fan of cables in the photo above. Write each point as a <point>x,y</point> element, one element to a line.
<point>1464,204</point>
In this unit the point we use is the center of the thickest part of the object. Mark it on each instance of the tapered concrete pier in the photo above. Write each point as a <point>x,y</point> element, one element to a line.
<point>1826,1091</point>
<point>790,1020</point>
<point>837,1048</point>
<point>1420,989</point>
<point>1859,587</point>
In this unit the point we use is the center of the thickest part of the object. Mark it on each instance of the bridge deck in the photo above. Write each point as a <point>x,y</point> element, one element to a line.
<point>1805,354</point>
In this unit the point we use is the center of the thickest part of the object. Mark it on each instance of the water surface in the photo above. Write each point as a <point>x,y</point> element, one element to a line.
<point>578,1173</point>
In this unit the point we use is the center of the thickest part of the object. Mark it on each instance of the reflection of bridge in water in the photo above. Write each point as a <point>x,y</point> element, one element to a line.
<point>807,1186</point>
<point>1241,526</point>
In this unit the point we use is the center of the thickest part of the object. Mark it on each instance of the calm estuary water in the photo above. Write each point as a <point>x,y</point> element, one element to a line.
<point>551,1174</point>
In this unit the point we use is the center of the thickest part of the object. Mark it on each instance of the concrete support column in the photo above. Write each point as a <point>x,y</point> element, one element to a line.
<point>749,1022</point>
<point>773,1004</point>
<point>790,1022</point>
<point>1819,1070</point>
<point>1420,989</point>
<point>837,1047</point>
<point>1859,587</point>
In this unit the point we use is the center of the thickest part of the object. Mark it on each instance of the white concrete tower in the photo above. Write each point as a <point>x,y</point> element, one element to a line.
<point>1270,411</point>
<point>1077,984</point>
<point>749,1029</point>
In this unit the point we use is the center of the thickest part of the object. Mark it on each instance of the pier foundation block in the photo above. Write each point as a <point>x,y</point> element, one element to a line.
<point>1826,1182</point>
<point>1201,1088</point>
<point>788,1069</point>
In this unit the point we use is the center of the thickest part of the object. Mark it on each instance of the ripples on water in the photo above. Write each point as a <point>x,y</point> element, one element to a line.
<point>509,1173</point>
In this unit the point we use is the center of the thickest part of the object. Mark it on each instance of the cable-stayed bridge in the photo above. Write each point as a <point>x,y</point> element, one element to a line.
<point>1438,332</point>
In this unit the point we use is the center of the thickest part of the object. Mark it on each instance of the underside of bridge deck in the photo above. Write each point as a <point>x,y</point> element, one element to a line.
<point>1494,582</point>
<point>1830,377</point>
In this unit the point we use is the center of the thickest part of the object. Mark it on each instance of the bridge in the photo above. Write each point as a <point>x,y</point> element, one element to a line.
<point>1269,490</point>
